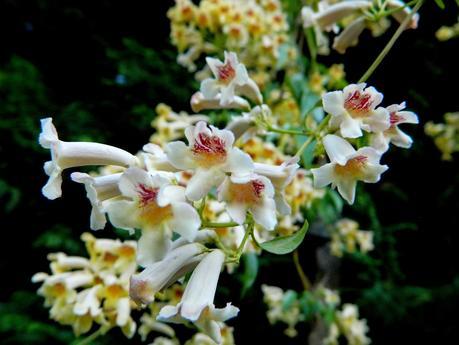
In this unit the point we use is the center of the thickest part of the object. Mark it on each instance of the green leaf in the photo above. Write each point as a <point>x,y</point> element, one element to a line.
<point>283,56</point>
<point>286,244</point>
<point>249,275</point>
<point>440,4</point>
<point>296,83</point>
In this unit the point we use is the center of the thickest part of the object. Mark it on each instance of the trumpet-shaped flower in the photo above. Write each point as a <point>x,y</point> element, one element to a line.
<point>280,176</point>
<point>98,190</point>
<point>347,166</point>
<point>74,154</point>
<point>381,140</point>
<point>157,207</point>
<point>255,195</point>
<point>161,274</point>
<point>231,77</point>
<point>354,109</point>
<point>197,304</point>
<point>210,153</point>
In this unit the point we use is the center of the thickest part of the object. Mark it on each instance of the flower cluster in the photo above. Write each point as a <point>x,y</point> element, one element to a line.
<point>350,18</point>
<point>346,237</point>
<point>445,33</point>
<point>83,291</point>
<point>353,110</point>
<point>255,29</point>
<point>348,324</point>
<point>445,135</point>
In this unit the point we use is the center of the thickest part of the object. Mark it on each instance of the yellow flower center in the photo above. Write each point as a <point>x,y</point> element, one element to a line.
<point>353,167</point>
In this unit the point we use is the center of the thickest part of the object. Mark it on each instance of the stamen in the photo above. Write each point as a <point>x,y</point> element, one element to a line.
<point>147,194</point>
<point>226,73</point>
<point>209,150</point>
<point>358,103</point>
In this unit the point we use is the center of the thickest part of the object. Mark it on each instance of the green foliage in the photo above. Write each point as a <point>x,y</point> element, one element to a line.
<point>59,238</point>
<point>249,271</point>
<point>286,244</point>
<point>18,327</point>
<point>9,195</point>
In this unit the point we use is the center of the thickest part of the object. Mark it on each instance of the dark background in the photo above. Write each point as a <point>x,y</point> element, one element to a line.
<point>100,67</point>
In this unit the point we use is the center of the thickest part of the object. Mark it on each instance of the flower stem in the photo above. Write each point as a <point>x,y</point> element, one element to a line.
<point>312,137</point>
<point>390,44</point>
<point>219,225</point>
<point>304,279</point>
<point>247,234</point>
<point>312,47</point>
<point>286,131</point>
<point>93,336</point>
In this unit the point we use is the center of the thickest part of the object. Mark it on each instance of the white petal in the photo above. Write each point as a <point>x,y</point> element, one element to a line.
<point>379,121</point>
<point>209,88</point>
<point>52,189</point>
<point>346,187</point>
<point>186,221</point>
<point>265,214</point>
<point>48,133</point>
<point>123,214</point>
<point>223,314</point>
<point>349,37</point>
<point>401,139</point>
<point>333,103</point>
<point>338,149</point>
<point>131,179</point>
<point>282,205</point>
<point>237,211</point>
<point>202,182</point>
<point>238,162</point>
<point>227,94</point>
<point>202,286</point>
<point>408,117</point>
<point>324,175</point>
<point>170,194</point>
<point>373,172</point>
<point>179,155</point>
<point>152,246</point>
<point>123,311</point>
<point>350,128</point>
<point>379,142</point>
<point>214,64</point>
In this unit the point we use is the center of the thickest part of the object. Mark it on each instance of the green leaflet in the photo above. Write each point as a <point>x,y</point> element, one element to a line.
<point>286,244</point>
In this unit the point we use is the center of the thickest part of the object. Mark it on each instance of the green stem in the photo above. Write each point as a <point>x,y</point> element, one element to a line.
<point>304,279</point>
<point>392,11</point>
<point>286,131</point>
<point>312,47</point>
<point>93,336</point>
<point>247,234</point>
<point>219,225</point>
<point>311,138</point>
<point>390,44</point>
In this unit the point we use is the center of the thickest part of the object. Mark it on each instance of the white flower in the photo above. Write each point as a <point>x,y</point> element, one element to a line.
<point>197,303</point>
<point>159,275</point>
<point>210,153</point>
<point>280,176</point>
<point>98,190</point>
<point>332,14</point>
<point>157,207</point>
<point>156,161</point>
<point>354,109</point>
<point>347,166</point>
<point>255,195</point>
<point>74,154</point>
<point>231,77</point>
<point>381,140</point>
<point>401,14</point>
<point>198,102</point>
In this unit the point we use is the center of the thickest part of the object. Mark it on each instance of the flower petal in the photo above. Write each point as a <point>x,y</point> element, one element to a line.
<point>179,155</point>
<point>186,221</point>
<point>338,149</point>
<point>346,187</point>
<point>152,246</point>
<point>265,214</point>
<point>333,103</point>
<point>202,182</point>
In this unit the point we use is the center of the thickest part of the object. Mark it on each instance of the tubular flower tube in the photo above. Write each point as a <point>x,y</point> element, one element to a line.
<point>381,140</point>
<point>159,275</point>
<point>231,77</point>
<point>197,304</point>
<point>75,154</point>
<point>255,195</point>
<point>198,102</point>
<point>350,35</point>
<point>155,206</point>
<point>347,166</point>
<point>332,14</point>
<point>354,109</point>
<point>210,154</point>
<point>98,190</point>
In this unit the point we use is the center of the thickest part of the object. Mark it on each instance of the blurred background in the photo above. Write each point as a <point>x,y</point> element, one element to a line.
<point>99,68</point>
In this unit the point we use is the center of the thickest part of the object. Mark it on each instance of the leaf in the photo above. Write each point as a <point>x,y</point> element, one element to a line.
<point>286,244</point>
<point>249,275</point>
<point>283,56</point>
<point>296,83</point>
<point>440,4</point>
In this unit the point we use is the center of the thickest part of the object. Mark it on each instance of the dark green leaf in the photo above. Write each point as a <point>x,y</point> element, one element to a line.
<point>441,4</point>
<point>249,275</point>
<point>286,244</point>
